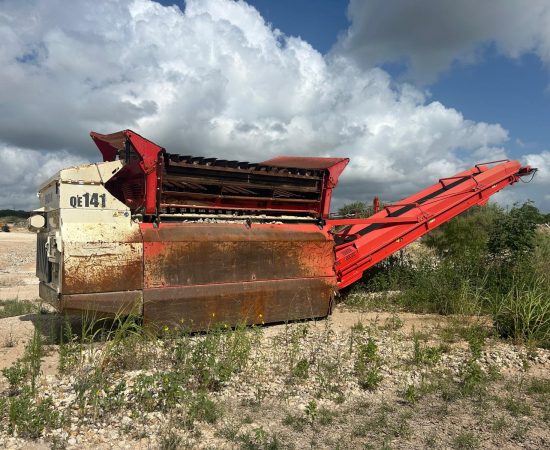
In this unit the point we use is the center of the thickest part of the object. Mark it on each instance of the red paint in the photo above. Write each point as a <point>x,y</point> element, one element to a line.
<point>150,161</point>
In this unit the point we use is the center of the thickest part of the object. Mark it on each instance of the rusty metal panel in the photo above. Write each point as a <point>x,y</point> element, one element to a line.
<point>200,307</point>
<point>101,257</point>
<point>101,267</point>
<point>105,303</point>
<point>197,254</point>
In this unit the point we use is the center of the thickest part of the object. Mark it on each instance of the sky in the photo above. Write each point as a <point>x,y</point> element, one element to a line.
<point>410,91</point>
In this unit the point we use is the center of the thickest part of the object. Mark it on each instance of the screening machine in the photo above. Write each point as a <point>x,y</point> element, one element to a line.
<point>184,240</point>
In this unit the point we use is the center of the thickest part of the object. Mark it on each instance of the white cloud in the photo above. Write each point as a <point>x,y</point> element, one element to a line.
<point>213,80</point>
<point>23,170</point>
<point>429,35</point>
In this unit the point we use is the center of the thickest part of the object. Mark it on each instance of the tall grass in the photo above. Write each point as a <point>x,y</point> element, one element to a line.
<point>523,312</point>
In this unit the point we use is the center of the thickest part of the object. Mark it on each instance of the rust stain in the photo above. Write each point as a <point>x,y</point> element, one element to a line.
<point>102,268</point>
<point>217,254</point>
<point>200,307</point>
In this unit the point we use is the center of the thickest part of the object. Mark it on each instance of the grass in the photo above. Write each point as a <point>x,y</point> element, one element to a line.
<point>27,412</point>
<point>466,440</point>
<point>15,307</point>
<point>523,312</point>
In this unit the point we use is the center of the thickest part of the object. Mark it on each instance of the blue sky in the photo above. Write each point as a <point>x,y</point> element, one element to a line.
<point>410,91</point>
<point>512,92</point>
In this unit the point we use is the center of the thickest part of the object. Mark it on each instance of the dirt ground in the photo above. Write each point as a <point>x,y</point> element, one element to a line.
<point>17,266</point>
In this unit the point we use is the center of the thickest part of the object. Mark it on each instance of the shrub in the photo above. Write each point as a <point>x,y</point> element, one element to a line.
<point>30,416</point>
<point>513,235</point>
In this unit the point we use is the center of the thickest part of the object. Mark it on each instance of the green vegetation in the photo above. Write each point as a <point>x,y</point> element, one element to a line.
<point>11,308</point>
<point>17,213</point>
<point>28,412</point>
<point>367,362</point>
<point>486,261</point>
<point>356,209</point>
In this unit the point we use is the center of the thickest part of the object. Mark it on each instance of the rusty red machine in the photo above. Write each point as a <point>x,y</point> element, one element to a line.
<point>184,240</point>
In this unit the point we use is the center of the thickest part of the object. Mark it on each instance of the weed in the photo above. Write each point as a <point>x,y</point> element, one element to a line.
<point>170,440</point>
<point>393,323</point>
<point>473,379</point>
<point>519,432</point>
<point>88,387</point>
<point>16,307</point>
<point>32,358</point>
<point>144,392</point>
<point>203,409</point>
<point>15,375</point>
<point>30,416</point>
<point>229,431</point>
<point>295,421</point>
<point>539,386</point>
<point>218,354</point>
<point>301,369</point>
<point>259,439</point>
<point>325,416</point>
<point>499,424</point>
<point>475,335</point>
<point>9,340</point>
<point>384,422</point>
<point>466,440</point>
<point>426,355</point>
<point>26,368</point>
<point>517,407</point>
<point>69,349</point>
<point>367,363</point>
<point>411,394</point>
<point>311,411</point>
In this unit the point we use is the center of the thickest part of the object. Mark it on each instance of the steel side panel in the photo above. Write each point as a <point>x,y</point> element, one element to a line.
<point>102,267</point>
<point>199,307</point>
<point>110,303</point>
<point>101,257</point>
<point>218,253</point>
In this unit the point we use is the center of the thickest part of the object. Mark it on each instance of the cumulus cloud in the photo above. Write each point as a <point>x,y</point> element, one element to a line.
<point>429,35</point>
<point>214,80</point>
<point>22,170</point>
